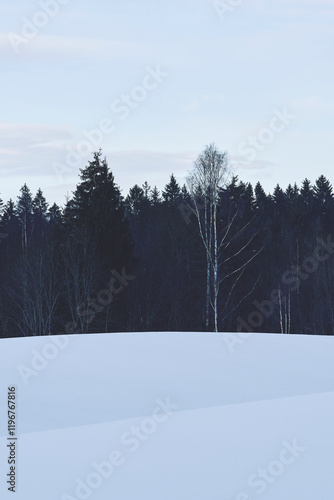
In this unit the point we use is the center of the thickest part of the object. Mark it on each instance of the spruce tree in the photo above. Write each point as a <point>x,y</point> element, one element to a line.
<point>323,193</point>
<point>97,212</point>
<point>260,196</point>
<point>172,191</point>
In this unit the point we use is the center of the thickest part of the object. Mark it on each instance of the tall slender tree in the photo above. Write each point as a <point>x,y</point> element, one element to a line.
<point>209,175</point>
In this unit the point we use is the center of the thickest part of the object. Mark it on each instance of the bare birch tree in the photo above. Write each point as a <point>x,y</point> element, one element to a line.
<point>210,175</point>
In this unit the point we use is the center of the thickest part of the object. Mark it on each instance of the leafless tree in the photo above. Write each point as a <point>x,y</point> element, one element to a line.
<point>34,291</point>
<point>210,175</point>
<point>81,274</point>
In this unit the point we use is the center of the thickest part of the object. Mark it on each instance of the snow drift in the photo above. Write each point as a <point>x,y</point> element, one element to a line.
<point>173,416</point>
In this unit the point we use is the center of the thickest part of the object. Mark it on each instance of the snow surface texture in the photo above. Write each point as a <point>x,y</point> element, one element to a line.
<point>170,416</point>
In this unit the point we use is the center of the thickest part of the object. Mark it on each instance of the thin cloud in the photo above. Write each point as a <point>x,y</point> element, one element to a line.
<point>65,47</point>
<point>27,148</point>
<point>24,135</point>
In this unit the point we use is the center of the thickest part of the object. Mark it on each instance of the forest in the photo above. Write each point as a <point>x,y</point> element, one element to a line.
<point>216,254</point>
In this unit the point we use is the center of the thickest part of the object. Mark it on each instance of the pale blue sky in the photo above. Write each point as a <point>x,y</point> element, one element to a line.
<point>234,67</point>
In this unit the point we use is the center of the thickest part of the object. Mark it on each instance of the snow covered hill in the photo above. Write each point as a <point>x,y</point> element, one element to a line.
<point>168,416</point>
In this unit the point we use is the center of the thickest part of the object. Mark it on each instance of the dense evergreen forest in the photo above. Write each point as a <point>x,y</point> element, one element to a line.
<point>191,258</point>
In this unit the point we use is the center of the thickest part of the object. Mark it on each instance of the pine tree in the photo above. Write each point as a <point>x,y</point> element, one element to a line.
<point>155,196</point>
<point>134,200</point>
<point>279,198</point>
<point>323,192</point>
<point>146,189</point>
<point>8,211</point>
<point>56,233</point>
<point>97,212</point>
<point>292,193</point>
<point>39,204</point>
<point>172,191</point>
<point>55,213</point>
<point>261,200</point>
<point>186,198</point>
<point>39,208</point>
<point>307,193</point>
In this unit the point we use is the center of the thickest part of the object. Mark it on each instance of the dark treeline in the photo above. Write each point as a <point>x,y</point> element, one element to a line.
<point>105,263</point>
